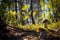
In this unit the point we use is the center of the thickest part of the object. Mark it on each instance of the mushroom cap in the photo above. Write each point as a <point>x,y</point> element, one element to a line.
<point>45,21</point>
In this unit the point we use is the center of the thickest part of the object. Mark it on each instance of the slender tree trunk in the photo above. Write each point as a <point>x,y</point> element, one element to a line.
<point>32,12</point>
<point>38,8</point>
<point>22,21</point>
<point>16,7</point>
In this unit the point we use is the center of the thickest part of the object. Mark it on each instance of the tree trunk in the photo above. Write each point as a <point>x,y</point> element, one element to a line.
<point>32,12</point>
<point>22,21</point>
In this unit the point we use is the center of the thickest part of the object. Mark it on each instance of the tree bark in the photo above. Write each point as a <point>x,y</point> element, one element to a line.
<point>32,12</point>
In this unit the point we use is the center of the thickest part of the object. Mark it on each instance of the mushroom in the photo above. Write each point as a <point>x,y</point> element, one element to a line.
<point>45,22</point>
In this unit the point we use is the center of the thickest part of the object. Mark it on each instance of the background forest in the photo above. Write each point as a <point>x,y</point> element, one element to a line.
<point>35,16</point>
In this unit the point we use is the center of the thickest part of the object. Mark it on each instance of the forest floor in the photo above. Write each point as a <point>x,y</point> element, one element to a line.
<point>20,34</point>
